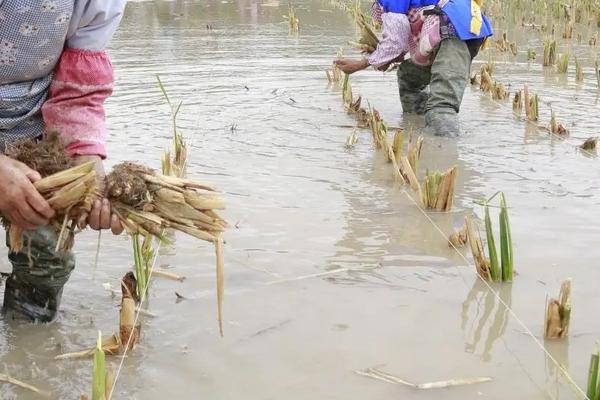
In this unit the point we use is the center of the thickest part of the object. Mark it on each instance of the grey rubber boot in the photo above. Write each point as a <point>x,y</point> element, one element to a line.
<point>449,77</point>
<point>412,85</point>
<point>34,288</point>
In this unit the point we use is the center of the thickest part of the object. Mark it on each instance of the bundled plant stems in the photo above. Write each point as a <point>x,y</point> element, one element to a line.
<point>368,40</point>
<point>531,105</point>
<point>590,144</point>
<point>334,75</point>
<point>149,203</point>
<point>556,127</point>
<point>518,103</point>
<point>293,21</point>
<point>438,189</point>
<point>558,313</point>
<point>492,267</point>
<point>549,53</point>
<point>578,71</point>
<point>347,91</point>
<point>563,63</point>
<point>69,190</point>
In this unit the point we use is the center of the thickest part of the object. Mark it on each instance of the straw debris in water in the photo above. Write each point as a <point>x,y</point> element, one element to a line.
<point>458,238</point>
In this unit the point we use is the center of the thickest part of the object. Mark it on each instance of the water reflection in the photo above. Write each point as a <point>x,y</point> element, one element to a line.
<point>484,318</point>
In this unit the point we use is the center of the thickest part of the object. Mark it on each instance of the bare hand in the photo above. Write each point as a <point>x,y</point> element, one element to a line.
<point>350,66</point>
<point>101,216</point>
<point>20,202</point>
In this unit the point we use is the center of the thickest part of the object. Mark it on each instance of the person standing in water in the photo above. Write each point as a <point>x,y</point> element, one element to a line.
<point>441,38</point>
<point>54,75</point>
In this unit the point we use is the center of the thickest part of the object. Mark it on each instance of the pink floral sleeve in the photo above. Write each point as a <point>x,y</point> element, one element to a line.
<point>394,43</point>
<point>83,79</point>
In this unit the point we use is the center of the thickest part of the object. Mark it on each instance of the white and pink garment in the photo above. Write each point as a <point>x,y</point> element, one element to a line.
<point>54,71</point>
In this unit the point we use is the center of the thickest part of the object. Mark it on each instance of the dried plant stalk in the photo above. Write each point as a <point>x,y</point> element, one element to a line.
<point>482,264</point>
<point>558,313</point>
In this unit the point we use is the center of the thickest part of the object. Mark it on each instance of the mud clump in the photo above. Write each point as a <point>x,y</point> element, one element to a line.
<point>126,184</point>
<point>46,156</point>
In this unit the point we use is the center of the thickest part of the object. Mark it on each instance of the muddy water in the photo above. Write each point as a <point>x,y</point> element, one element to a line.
<point>263,125</point>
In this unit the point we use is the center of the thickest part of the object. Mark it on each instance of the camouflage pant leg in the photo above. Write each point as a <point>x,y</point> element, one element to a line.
<point>34,288</point>
<point>449,77</point>
<point>412,85</point>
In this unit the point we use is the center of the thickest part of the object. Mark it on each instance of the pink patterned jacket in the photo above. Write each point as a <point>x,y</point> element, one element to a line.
<point>415,34</point>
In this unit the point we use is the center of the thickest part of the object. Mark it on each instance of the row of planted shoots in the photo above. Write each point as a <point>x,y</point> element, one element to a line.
<point>522,100</point>
<point>436,191</point>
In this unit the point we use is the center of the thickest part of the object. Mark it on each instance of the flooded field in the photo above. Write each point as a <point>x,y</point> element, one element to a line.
<point>330,266</point>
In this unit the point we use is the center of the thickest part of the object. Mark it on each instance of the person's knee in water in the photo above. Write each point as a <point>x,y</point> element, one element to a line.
<point>56,75</point>
<point>434,42</point>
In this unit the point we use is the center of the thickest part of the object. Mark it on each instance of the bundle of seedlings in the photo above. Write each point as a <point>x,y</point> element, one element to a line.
<point>578,71</point>
<point>174,164</point>
<point>556,127</point>
<point>568,32</point>
<point>514,49</point>
<point>563,63</point>
<point>499,91</point>
<point>531,55</point>
<point>397,145</point>
<point>593,384</point>
<point>293,21</point>
<point>368,40</point>
<point>148,203</point>
<point>69,190</point>
<point>347,96</point>
<point>414,151</point>
<point>334,75</point>
<point>352,139</point>
<point>518,103</point>
<point>590,144</point>
<point>378,129</point>
<point>549,53</point>
<point>363,117</point>
<point>438,189</point>
<point>486,84</point>
<point>492,267</point>
<point>531,105</point>
<point>503,45</point>
<point>558,313</point>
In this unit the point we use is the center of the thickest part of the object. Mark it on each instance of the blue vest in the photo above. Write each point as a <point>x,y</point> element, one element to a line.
<point>458,11</point>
